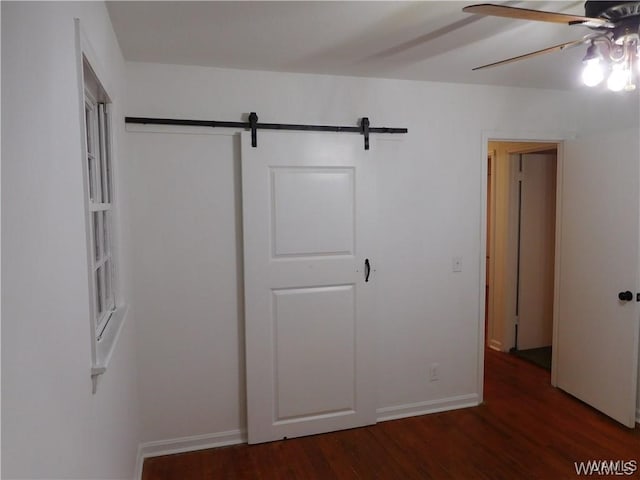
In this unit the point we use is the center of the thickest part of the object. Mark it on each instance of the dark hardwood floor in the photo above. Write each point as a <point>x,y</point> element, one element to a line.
<point>525,430</point>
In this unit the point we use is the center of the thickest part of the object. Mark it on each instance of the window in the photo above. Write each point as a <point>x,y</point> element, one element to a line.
<point>99,191</point>
<point>107,312</point>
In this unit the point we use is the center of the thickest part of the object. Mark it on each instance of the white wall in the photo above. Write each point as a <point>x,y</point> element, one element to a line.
<point>185,255</point>
<point>52,425</point>
<point>190,341</point>
<point>190,338</point>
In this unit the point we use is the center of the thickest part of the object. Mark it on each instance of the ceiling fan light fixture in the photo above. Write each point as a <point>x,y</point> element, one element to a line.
<point>618,78</point>
<point>621,60</point>
<point>592,53</point>
<point>630,86</point>
<point>593,73</point>
<point>614,46</point>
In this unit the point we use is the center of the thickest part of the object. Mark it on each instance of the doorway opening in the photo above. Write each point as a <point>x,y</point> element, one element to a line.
<point>520,256</point>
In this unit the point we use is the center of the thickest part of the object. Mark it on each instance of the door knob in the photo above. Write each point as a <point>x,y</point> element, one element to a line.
<point>625,296</point>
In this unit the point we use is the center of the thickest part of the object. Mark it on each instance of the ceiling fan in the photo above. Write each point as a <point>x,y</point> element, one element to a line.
<point>613,45</point>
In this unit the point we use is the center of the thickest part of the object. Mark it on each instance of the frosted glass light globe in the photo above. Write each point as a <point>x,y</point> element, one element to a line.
<point>592,73</point>
<point>617,79</point>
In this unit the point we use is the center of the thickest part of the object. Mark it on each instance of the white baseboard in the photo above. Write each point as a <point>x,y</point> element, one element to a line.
<point>187,444</point>
<point>432,406</point>
<point>235,437</point>
<point>495,345</point>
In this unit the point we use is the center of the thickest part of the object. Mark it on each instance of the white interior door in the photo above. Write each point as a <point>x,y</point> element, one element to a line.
<point>596,345</point>
<point>308,208</point>
<point>537,250</point>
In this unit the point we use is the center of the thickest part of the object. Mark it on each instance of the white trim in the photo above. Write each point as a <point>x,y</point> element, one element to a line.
<point>81,44</point>
<point>431,406</point>
<point>109,337</point>
<point>533,137</point>
<point>106,344</point>
<point>556,277</point>
<point>86,50</point>
<point>102,342</point>
<point>490,212</point>
<point>237,437</point>
<point>482,271</point>
<point>187,444</point>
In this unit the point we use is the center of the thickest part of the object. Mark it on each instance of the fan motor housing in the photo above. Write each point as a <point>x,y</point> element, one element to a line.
<point>612,11</point>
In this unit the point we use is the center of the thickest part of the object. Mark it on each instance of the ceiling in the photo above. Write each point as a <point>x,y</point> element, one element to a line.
<point>425,40</point>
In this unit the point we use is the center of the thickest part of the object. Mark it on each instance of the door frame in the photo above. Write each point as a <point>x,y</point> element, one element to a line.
<point>517,136</point>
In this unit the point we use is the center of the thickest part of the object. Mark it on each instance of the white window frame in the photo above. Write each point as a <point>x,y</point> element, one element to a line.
<point>106,306</point>
<point>99,185</point>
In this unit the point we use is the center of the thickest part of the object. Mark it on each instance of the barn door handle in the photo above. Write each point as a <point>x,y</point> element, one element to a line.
<point>625,296</point>
<point>367,269</point>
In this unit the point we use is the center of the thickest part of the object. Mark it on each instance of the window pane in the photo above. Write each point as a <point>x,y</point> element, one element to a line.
<point>108,272</point>
<point>103,297</point>
<point>91,176</point>
<point>106,230</point>
<point>107,162</point>
<point>93,152</point>
<point>101,133</point>
<point>97,179</point>
<point>97,235</point>
<point>87,127</point>
<point>97,173</point>
<point>104,153</point>
<point>99,304</point>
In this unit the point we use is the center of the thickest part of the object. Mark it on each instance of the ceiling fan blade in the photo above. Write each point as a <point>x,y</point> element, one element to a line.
<point>555,48</point>
<point>536,15</point>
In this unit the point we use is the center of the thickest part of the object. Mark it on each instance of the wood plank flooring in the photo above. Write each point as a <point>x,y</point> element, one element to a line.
<point>525,430</point>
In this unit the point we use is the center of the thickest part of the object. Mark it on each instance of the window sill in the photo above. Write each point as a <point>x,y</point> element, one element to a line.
<point>106,345</point>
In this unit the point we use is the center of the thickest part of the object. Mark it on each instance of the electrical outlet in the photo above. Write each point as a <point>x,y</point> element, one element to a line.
<point>434,374</point>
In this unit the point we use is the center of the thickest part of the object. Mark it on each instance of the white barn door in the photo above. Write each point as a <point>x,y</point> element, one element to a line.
<point>308,217</point>
<point>597,332</point>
